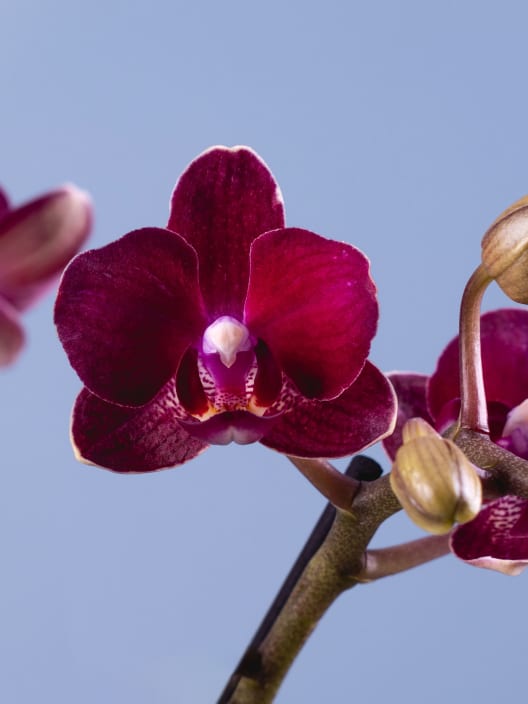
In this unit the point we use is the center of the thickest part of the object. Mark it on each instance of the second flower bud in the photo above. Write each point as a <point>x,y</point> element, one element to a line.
<point>505,251</point>
<point>434,481</point>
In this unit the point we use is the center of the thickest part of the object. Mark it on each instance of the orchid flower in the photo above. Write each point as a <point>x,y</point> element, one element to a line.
<point>224,326</point>
<point>37,240</point>
<point>497,538</point>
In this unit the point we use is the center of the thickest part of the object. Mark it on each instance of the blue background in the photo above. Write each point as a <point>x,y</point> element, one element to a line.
<point>400,127</point>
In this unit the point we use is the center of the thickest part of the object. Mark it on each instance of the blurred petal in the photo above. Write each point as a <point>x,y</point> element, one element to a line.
<point>363,414</point>
<point>444,384</point>
<point>515,431</point>
<point>11,334</point>
<point>410,392</point>
<point>131,439</point>
<point>313,303</point>
<point>127,312</point>
<point>504,341</point>
<point>497,538</point>
<point>225,198</point>
<point>4,203</point>
<point>516,442</point>
<point>517,418</point>
<point>241,427</point>
<point>38,239</point>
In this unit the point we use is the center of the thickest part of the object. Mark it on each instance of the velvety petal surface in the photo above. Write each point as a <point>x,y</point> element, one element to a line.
<point>11,334</point>
<point>362,415</point>
<point>504,342</point>
<point>225,198</point>
<point>314,304</point>
<point>38,239</point>
<point>497,538</point>
<point>131,439</point>
<point>410,391</point>
<point>126,313</point>
<point>4,203</point>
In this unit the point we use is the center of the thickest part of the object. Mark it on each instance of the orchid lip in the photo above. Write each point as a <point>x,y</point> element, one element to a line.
<point>226,336</point>
<point>239,426</point>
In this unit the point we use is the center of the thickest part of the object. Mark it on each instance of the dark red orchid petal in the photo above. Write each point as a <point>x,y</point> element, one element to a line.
<point>504,342</point>
<point>4,203</point>
<point>447,416</point>
<point>362,415</point>
<point>241,427</point>
<point>314,304</point>
<point>11,334</point>
<point>497,538</point>
<point>38,239</point>
<point>131,439</point>
<point>127,312</point>
<point>497,415</point>
<point>225,199</point>
<point>410,392</point>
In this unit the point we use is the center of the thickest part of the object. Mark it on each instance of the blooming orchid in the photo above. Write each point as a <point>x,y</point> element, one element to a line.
<point>224,326</point>
<point>497,537</point>
<point>37,240</point>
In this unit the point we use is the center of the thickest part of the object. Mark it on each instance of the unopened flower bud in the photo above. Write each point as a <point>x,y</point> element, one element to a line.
<point>435,483</point>
<point>505,251</point>
<point>417,428</point>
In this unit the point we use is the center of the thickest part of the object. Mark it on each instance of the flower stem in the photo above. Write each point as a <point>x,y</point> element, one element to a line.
<point>335,486</point>
<point>399,558</point>
<point>328,565</point>
<point>473,410</point>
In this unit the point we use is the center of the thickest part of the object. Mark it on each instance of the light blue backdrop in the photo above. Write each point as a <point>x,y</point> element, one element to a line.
<point>400,127</point>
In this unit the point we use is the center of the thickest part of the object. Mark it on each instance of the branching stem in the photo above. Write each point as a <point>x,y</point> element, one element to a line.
<point>329,564</point>
<point>335,486</point>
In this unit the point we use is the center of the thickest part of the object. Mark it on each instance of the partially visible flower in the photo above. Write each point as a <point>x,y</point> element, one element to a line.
<point>434,481</point>
<point>37,240</point>
<point>225,326</point>
<point>498,537</point>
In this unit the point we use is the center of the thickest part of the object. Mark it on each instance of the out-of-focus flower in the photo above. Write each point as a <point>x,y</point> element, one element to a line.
<point>498,537</point>
<point>225,326</point>
<point>37,239</point>
<point>434,481</point>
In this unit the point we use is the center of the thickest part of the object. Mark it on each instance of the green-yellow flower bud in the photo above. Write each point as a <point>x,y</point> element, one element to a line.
<point>417,428</point>
<point>505,251</point>
<point>435,482</point>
